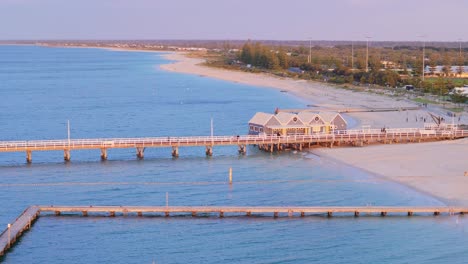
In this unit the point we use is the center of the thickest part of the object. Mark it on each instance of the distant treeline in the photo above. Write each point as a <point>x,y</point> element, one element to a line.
<point>350,64</point>
<point>237,44</point>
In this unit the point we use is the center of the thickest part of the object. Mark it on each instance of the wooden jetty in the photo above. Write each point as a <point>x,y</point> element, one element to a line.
<point>13,231</point>
<point>249,210</point>
<point>265,142</point>
<point>25,220</point>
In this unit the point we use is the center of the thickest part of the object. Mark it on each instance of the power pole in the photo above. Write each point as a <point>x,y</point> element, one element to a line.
<point>460,42</point>
<point>367,54</point>
<point>424,59</point>
<point>352,55</point>
<point>424,56</point>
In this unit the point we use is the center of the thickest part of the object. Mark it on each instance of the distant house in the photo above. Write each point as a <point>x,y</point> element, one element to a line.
<point>454,71</point>
<point>303,123</point>
<point>460,90</point>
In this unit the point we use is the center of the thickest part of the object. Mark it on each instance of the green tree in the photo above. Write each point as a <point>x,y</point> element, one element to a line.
<point>432,64</point>
<point>417,67</point>
<point>283,58</point>
<point>447,68</point>
<point>271,60</point>
<point>247,53</point>
<point>374,63</point>
<point>460,66</point>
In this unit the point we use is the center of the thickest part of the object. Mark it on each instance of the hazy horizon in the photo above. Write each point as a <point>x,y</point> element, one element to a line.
<point>333,20</point>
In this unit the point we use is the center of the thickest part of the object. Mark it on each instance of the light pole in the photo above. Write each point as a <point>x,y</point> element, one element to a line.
<point>460,42</point>
<point>367,53</point>
<point>460,71</point>
<point>424,60</point>
<point>423,57</point>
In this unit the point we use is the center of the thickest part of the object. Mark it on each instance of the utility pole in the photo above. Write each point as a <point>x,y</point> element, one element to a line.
<point>423,57</point>
<point>352,55</point>
<point>460,59</point>
<point>424,60</point>
<point>367,53</point>
<point>309,60</point>
<point>460,42</point>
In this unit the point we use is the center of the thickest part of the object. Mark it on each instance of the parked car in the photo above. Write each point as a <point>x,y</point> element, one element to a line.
<point>409,87</point>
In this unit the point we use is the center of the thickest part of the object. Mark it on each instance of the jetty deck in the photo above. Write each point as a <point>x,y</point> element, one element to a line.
<point>248,210</point>
<point>14,231</point>
<point>265,142</point>
<point>25,220</point>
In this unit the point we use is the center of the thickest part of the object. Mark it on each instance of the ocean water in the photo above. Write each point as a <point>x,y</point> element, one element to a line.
<point>125,94</point>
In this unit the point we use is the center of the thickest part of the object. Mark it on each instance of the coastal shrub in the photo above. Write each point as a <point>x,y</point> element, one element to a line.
<point>337,80</point>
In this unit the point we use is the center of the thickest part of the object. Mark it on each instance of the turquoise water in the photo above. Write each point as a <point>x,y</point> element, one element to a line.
<point>125,94</point>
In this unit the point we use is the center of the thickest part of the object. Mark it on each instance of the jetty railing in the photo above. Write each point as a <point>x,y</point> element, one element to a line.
<point>267,142</point>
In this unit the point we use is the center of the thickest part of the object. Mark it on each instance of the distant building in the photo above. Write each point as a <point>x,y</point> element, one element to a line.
<point>461,90</point>
<point>303,123</point>
<point>390,64</point>
<point>454,71</point>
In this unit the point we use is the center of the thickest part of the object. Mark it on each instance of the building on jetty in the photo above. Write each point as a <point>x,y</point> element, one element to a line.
<point>303,123</point>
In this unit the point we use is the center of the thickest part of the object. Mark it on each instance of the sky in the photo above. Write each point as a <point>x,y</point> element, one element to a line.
<point>398,20</point>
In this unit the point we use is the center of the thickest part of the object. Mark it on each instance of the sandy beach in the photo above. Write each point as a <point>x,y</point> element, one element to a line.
<point>435,168</point>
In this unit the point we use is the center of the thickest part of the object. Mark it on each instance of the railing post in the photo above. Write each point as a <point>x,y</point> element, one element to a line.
<point>9,235</point>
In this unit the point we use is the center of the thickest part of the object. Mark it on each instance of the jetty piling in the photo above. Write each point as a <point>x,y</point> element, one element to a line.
<point>66,155</point>
<point>28,156</point>
<point>103,154</point>
<point>175,151</point>
<point>140,152</point>
<point>209,151</point>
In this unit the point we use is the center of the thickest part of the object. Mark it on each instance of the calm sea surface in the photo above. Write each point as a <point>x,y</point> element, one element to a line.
<point>125,94</point>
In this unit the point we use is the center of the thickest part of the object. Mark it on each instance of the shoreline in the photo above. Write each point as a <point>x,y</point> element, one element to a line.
<point>327,96</point>
<point>417,166</point>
